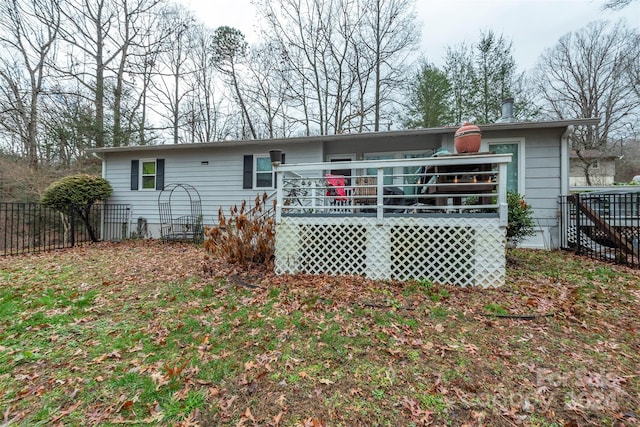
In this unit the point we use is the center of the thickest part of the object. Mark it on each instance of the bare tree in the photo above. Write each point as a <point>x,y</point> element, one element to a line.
<point>203,109</point>
<point>102,37</point>
<point>28,31</point>
<point>393,35</point>
<point>229,49</point>
<point>617,4</point>
<point>346,58</point>
<point>133,36</point>
<point>267,89</point>
<point>589,73</point>
<point>173,67</point>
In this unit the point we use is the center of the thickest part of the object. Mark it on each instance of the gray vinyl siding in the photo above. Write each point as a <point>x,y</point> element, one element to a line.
<point>219,182</point>
<point>428,143</point>
<point>542,185</point>
<point>542,173</point>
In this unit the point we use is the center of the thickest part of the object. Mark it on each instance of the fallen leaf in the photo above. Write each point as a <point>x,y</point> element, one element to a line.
<point>276,418</point>
<point>249,415</point>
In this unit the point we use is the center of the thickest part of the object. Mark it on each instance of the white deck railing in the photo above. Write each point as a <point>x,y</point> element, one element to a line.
<point>462,184</point>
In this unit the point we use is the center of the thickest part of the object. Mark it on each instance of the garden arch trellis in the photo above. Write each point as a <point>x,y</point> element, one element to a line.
<point>180,210</point>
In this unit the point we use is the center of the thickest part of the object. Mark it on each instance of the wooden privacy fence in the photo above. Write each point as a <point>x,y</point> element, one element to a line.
<point>34,227</point>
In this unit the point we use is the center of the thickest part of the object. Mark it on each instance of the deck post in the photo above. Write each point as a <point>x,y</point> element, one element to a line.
<point>279,194</point>
<point>503,206</point>
<point>380,195</point>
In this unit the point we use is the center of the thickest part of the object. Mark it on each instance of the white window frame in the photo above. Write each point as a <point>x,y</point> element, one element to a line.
<point>486,144</point>
<point>255,172</point>
<point>141,174</point>
<point>350,156</point>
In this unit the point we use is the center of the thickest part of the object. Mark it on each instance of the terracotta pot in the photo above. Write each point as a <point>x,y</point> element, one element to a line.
<point>467,138</point>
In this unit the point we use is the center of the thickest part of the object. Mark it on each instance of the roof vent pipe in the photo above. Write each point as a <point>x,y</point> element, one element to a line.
<point>507,111</point>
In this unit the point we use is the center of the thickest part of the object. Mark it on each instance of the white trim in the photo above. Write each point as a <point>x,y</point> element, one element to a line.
<point>350,156</point>
<point>565,164</point>
<point>520,142</point>
<point>399,154</point>
<point>141,174</point>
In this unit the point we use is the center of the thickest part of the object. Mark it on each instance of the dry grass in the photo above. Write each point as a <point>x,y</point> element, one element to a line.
<point>135,333</point>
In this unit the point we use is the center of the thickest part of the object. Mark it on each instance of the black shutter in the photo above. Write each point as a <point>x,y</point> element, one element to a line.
<point>135,167</point>
<point>247,172</point>
<point>159,174</point>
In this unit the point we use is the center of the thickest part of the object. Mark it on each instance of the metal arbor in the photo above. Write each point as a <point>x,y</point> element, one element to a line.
<point>180,210</point>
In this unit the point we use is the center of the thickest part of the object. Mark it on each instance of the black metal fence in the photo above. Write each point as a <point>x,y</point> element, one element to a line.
<point>603,226</point>
<point>33,227</point>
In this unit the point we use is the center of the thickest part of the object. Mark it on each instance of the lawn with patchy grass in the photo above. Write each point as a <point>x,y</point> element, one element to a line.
<point>137,333</point>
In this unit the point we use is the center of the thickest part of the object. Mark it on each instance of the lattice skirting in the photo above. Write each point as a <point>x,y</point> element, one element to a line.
<point>464,251</point>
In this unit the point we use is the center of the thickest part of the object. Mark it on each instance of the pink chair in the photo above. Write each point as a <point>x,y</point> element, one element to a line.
<point>336,187</point>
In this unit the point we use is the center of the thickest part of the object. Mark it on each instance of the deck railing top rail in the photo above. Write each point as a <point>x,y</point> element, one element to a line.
<point>463,184</point>
<point>454,159</point>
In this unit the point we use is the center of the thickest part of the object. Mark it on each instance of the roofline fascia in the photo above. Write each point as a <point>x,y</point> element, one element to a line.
<point>348,137</point>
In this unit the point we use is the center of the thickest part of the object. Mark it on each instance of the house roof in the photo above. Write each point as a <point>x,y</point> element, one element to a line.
<point>351,136</point>
<point>591,154</point>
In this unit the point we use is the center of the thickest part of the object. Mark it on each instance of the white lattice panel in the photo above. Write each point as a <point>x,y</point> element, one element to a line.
<point>464,251</point>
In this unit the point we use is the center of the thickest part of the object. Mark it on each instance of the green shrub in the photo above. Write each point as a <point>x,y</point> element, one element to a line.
<point>520,222</point>
<point>78,192</point>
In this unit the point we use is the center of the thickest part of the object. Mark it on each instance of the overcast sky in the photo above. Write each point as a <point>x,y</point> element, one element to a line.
<point>532,25</point>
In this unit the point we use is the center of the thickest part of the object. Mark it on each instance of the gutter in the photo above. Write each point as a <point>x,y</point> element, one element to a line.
<point>564,160</point>
<point>346,138</point>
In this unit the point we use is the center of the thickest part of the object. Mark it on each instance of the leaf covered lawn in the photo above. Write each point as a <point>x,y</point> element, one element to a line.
<point>138,333</point>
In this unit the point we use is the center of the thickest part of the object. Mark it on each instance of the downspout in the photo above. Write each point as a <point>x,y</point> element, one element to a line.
<point>564,160</point>
<point>564,188</point>
<point>103,163</point>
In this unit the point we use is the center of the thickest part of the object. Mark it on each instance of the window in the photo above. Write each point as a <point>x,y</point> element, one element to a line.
<point>388,172</point>
<point>409,173</point>
<point>147,174</point>
<point>257,172</point>
<point>264,173</point>
<point>515,169</point>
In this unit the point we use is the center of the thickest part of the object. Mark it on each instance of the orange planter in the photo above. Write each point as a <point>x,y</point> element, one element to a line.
<point>467,138</point>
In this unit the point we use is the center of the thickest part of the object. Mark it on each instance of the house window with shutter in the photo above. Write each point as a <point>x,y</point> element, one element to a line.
<point>257,172</point>
<point>147,174</point>
<point>264,173</point>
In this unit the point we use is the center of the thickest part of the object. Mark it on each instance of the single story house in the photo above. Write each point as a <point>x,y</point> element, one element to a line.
<point>600,166</point>
<point>229,172</point>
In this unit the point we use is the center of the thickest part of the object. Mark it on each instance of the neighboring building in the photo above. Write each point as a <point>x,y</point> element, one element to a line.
<point>600,166</point>
<point>226,173</point>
